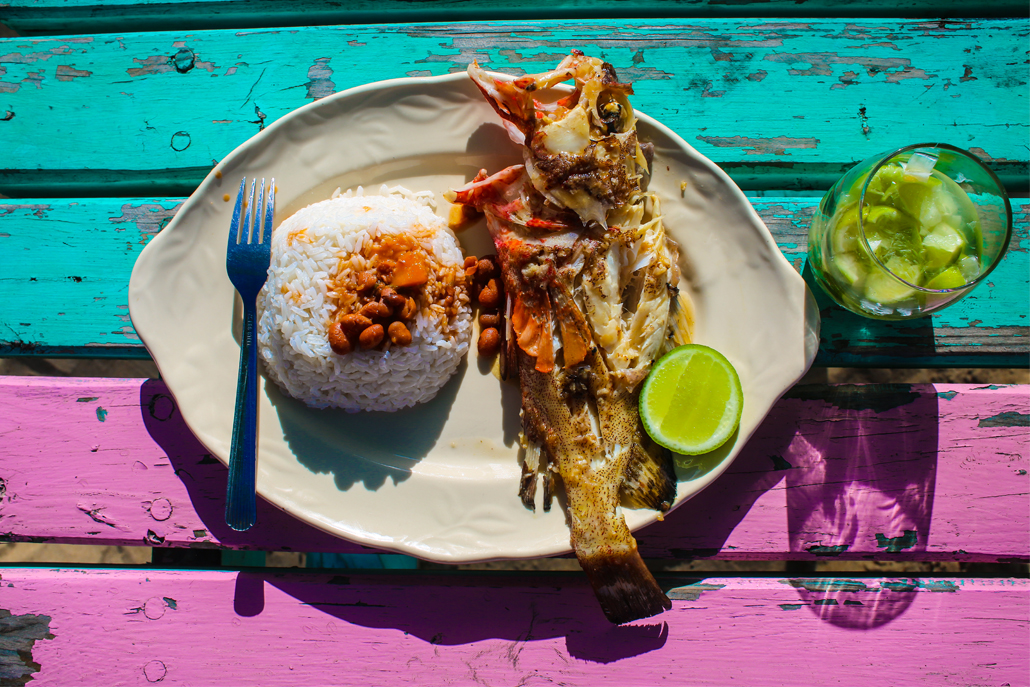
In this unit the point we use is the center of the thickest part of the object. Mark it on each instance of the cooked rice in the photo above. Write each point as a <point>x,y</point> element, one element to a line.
<point>318,250</point>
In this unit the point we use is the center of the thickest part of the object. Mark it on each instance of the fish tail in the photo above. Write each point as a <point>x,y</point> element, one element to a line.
<point>624,586</point>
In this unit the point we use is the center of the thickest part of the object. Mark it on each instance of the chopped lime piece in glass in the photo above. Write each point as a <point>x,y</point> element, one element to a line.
<point>941,246</point>
<point>849,267</point>
<point>950,278</point>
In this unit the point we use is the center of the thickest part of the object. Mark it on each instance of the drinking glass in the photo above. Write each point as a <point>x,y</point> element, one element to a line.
<point>908,232</point>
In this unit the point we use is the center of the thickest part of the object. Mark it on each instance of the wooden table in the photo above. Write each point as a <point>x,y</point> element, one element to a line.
<point>112,112</point>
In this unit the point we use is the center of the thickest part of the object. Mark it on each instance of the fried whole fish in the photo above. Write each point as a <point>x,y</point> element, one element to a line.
<point>590,279</point>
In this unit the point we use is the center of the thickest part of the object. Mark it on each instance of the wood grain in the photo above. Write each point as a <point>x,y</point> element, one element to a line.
<point>158,108</point>
<point>395,629</point>
<point>886,472</point>
<point>65,265</point>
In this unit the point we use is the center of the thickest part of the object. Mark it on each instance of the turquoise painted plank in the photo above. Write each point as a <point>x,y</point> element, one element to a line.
<point>65,264</point>
<point>64,274</point>
<point>39,17</point>
<point>781,101</point>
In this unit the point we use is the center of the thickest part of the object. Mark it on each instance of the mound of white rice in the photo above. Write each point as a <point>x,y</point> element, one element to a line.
<point>313,253</point>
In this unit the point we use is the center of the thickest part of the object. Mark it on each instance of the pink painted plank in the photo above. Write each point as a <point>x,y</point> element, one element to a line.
<point>233,628</point>
<point>891,472</point>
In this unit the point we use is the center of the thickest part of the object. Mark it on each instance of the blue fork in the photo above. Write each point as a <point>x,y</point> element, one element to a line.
<point>246,263</point>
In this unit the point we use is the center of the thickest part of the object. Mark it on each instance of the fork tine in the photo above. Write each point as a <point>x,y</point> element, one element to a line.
<point>266,230</point>
<point>234,226</point>
<point>249,226</point>
<point>255,227</point>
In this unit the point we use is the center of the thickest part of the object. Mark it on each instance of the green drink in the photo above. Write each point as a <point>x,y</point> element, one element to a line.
<point>904,234</point>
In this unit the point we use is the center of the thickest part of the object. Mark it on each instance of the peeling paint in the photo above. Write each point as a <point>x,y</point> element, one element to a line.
<point>827,584</point>
<point>821,550</point>
<point>19,634</point>
<point>35,78</point>
<point>101,414</point>
<point>320,82</point>
<point>760,146</point>
<point>819,65</point>
<point>149,218</point>
<point>692,592</point>
<point>1006,419</point>
<point>37,210</point>
<point>156,64</point>
<point>897,544</point>
<point>846,79</point>
<point>96,514</point>
<point>983,155</point>
<point>68,73</point>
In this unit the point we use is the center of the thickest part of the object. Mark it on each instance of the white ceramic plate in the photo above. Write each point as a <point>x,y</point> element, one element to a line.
<point>440,481</point>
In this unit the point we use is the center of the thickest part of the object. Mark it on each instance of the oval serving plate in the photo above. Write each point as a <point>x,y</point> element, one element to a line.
<point>440,481</point>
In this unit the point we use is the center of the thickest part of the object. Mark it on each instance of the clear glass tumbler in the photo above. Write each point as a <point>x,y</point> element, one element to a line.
<point>908,232</point>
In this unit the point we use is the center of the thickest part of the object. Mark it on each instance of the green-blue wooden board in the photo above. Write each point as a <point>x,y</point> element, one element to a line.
<point>38,17</point>
<point>65,265</point>
<point>778,104</point>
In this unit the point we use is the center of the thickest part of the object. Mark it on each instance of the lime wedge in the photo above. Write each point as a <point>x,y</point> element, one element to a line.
<point>691,401</point>
<point>880,287</point>
<point>950,278</point>
<point>849,266</point>
<point>941,246</point>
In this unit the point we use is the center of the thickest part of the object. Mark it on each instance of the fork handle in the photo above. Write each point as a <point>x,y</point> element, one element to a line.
<point>241,500</point>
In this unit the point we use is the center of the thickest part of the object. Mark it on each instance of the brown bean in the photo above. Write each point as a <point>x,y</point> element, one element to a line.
<point>355,324</point>
<point>470,272</point>
<point>489,319</point>
<point>399,334</point>
<point>470,261</point>
<point>372,336</point>
<point>485,269</point>
<point>376,310</point>
<point>409,309</point>
<point>366,282</point>
<point>392,298</point>
<point>338,341</point>
<point>490,296</point>
<point>489,342</point>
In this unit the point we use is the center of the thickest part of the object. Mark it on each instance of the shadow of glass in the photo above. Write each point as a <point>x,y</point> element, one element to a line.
<point>452,612</point>
<point>366,447</point>
<point>848,339</point>
<point>862,475</point>
<point>854,604</point>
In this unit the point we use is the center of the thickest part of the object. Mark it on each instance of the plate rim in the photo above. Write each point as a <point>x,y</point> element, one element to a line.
<point>384,542</point>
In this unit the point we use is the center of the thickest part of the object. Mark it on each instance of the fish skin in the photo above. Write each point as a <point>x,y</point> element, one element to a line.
<point>574,230</point>
<point>592,477</point>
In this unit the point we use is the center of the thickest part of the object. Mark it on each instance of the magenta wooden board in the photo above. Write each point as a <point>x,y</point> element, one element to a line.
<point>893,472</point>
<point>118,627</point>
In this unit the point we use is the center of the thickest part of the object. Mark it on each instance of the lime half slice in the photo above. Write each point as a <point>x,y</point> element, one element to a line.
<point>691,401</point>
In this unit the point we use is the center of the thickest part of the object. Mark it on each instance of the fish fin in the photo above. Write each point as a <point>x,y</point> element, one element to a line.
<point>548,490</point>
<point>650,478</point>
<point>625,587</point>
<point>527,483</point>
